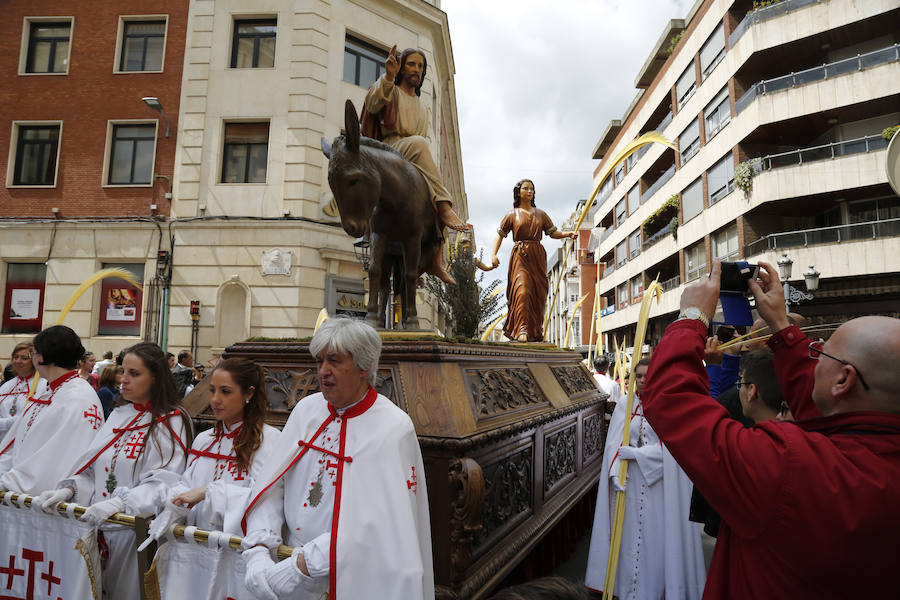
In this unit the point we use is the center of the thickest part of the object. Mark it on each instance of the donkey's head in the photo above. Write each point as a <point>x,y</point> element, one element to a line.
<point>351,176</point>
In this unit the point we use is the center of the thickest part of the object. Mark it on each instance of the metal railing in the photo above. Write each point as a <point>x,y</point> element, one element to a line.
<point>841,67</point>
<point>666,176</point>
<point>666,230</point>
<point>664,123</point>
<point>823,152</point>
<point>825,235</point>
<point>764,14</point>
<point>671,284</point>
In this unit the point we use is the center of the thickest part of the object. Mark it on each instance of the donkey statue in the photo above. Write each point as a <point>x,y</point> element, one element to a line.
<point>381,194</point>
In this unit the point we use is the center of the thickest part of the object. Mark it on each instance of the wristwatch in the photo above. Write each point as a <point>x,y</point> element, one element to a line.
<point>692,312</point>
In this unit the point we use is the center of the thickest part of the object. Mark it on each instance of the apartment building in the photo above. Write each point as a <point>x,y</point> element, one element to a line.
<point>233,228</point>
<point>777,113</point>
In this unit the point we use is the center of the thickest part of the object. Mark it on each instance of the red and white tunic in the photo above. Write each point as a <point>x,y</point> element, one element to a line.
<point>212,463</point>
<point>350,487</point>
<point>13,397</point>
<point>49,434</point>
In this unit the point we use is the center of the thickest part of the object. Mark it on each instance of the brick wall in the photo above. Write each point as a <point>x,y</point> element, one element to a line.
<point>84,100</point>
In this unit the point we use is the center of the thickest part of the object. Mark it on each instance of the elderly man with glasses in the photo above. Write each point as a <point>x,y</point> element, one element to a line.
<point>809,508</point>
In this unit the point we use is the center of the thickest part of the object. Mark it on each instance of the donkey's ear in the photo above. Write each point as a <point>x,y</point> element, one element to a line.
<point>326,148</point>
<point>351,126</point>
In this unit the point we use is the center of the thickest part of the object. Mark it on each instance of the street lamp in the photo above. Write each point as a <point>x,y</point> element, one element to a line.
<point>361,249</point>
<point>791,294</point>
<point>154,103</point>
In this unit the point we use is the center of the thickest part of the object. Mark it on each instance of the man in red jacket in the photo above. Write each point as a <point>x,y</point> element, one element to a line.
<point>809,508</point>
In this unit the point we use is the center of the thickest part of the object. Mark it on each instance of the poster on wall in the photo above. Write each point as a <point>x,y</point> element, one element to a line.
<point>121,304</point>
<point>24,304</point>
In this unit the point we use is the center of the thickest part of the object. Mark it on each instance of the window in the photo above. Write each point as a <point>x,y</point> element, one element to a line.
<point>725,243</point>
<point>634,199</point>
<point>634,243</point>
<point>713,51</point>
<point>717,114</point>
<point>23,304</point>
<point>620,173</point>
<point>246,152</point>
<point>637,289</point>
<point>620,211</point>
<point>37,150</point>
<point>48,47</point>
<point>720,179</point>
<point>692,200</point>
<point>689,141</point>
<point>143,43</point>
<point>695,261</point>
<point>131,154</point>
<point>686,85</point>
<point>363,63</point>
<point>629,162</point>
<point>120,303</point>
<point>605,191</point>
<point>621,253</point>
<point>623,295</point>
<point>253,46</point>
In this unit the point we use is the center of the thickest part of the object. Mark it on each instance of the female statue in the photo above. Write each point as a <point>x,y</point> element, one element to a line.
<point>526,283</point>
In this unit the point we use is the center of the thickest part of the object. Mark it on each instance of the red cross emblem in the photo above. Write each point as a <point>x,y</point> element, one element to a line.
<point>412,482</point>
<point>32,557</point>
<point>11,571</point>
<point>94,417</point>
<point>233,469</point>
<point>331,465</point>
<point>135,445</point>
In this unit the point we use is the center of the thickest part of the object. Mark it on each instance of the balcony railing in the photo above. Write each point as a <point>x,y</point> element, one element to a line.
<point>764,14</point>
<point>671,284</point>
<point>825,235</point>
<point>669,173</point>
<point>666,230</point>
<point>841,67</point>
<point>823,152</point>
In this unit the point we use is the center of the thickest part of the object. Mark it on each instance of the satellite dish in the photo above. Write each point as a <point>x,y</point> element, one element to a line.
<point>892,164</point>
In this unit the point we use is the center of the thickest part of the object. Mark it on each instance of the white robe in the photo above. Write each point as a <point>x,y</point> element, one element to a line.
<point>45,441</point>
<point>608,385</point>
<point>227,488</point>
<point>13,396</point>
<point>120,573</point>
<point>380,546</point>
<point>661,555</point>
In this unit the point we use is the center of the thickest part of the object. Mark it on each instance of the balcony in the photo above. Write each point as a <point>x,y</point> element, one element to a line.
<point>665,177</point>
<point>859,62</point>
<point>666,230</point>
<point>671,284</point>
<point>764,14</point>
<point>825,235</point>
<point>823,152</point>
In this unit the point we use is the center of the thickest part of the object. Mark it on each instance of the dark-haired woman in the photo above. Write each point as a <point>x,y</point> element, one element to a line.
<point>14,393</point>
<point>148,432</point>
<point>110,379</point>
<point>224,460</point>
<point>57,425</point>
<point>526,282</point>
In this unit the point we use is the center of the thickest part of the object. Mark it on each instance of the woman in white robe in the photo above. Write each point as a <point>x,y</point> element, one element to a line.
<point>149,432</point>
<point>14,393</point>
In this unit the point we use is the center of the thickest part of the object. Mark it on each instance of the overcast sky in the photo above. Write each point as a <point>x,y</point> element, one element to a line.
<point>536,84</point>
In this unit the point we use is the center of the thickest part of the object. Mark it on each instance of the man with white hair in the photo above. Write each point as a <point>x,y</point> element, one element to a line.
<point>350,487</point>
<point>809,508</point>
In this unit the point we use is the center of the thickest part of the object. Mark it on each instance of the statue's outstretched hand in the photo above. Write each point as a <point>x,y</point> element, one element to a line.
<point>495,262</point>
<point>392,64</point>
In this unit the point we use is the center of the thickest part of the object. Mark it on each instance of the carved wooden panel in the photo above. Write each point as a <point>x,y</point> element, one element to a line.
<point>559,456</point>
<point>498,391</point>
<point>507,491</point>
<point>574,380</point>
<point>592,437</point>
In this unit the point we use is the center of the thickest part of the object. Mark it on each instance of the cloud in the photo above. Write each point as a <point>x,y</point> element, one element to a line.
<point>536,84</point>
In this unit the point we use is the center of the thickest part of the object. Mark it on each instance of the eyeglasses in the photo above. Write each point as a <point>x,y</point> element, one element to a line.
<point>815,350</point>
<point>738,384</point>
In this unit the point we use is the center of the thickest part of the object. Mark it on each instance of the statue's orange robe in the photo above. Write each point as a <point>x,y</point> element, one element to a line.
<point>526,282</point>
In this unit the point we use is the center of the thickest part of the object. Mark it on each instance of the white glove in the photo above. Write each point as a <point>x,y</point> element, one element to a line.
<point>257,562</point>
<point>627,452</point>
<point>170,515</point>
<point>99,512</point>
<point>284,576</point>
<point>50,498</point>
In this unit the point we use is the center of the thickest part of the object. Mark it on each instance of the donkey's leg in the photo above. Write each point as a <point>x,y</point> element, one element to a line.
<point>375,269</point>
<point>412,249</point>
